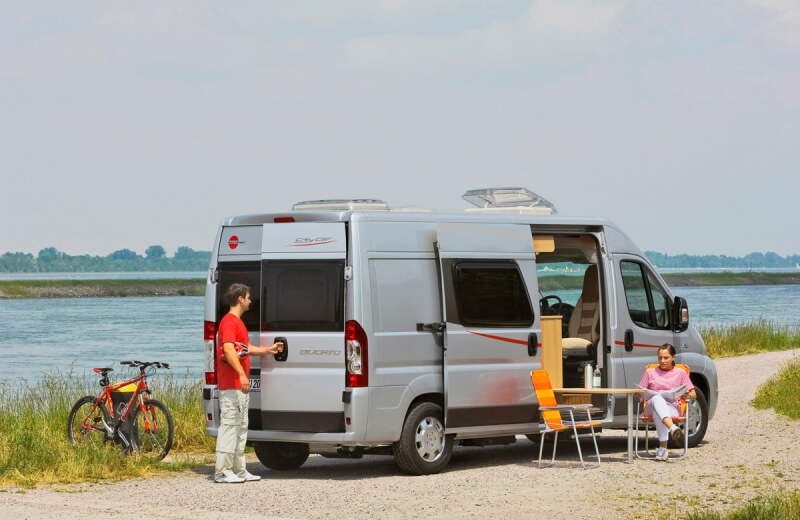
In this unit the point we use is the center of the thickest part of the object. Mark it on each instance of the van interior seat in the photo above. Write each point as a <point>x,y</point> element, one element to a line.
<point>583,329</point>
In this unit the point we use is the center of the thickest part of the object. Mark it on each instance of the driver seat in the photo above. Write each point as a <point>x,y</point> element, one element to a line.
<point>583,328</point>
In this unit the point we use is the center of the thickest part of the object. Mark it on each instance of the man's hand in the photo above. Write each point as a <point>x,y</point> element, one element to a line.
<point>277,348</point>
<point>245,383</point>
<point>263,351</point>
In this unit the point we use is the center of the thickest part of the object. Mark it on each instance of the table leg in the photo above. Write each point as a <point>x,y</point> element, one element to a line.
<point>630,428</point>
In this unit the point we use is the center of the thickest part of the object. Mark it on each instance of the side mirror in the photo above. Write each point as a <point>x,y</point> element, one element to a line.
<point>680,318</point>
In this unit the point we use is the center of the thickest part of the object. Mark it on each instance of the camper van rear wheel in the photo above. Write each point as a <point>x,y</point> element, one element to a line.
<point>698,418</point>
<point>423,447</point>
<point>281,455</point>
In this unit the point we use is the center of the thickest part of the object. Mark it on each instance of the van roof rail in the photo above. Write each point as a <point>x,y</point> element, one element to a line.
<point>516,200</point>
<point>342,205</point>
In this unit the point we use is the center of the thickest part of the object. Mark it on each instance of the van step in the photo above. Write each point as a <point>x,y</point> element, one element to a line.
<point>489,441</point>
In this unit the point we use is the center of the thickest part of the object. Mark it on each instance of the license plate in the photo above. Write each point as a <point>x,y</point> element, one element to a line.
<point>255,385</point>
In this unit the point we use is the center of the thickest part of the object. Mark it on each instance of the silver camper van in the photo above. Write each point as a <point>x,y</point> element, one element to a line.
<point>409,332</point>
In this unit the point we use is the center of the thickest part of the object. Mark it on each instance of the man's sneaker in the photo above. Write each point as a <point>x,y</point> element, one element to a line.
<point>249,477</point>
<point>676,433</point>
<point>228,477</point>
<point>662,454</point>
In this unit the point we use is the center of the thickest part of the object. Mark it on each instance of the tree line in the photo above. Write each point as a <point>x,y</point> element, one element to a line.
<point>51,260</point>
<point>752,260</point>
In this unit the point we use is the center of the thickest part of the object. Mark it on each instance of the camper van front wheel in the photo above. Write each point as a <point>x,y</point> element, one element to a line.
<point>281,455</point>
<point>698,418</point>
<point>423,447</point>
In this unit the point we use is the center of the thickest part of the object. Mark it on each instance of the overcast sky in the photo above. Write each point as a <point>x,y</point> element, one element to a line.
<point>128,124</point>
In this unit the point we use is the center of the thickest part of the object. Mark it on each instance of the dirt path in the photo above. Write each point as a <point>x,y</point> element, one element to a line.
<point>746,453</point>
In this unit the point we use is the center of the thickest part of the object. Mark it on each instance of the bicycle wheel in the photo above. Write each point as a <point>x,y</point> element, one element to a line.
<point>152,432</point>
<point>86,424</point>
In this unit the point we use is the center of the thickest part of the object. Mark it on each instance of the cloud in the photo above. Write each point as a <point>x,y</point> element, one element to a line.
<point>783,22</point>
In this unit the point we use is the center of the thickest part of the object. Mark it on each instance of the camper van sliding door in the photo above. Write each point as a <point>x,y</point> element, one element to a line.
<point>488,275</point>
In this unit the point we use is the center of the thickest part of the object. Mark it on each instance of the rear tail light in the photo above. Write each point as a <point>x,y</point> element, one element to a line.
<point>355,348</point>
<point>209,334</point>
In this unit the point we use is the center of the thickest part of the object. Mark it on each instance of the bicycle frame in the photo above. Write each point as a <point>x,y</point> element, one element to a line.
<point>141,387</point>
<point>118,417</point>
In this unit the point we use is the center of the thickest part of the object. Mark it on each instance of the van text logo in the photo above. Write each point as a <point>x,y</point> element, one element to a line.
<point>317,352</point>
<point>234,242</point>
<point>309,241</point>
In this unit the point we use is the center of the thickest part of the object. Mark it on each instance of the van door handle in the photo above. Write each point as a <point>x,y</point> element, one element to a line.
<point>431,327</point>
<point>533,344</point>
<point>282,356</point>
<point>628,340</point>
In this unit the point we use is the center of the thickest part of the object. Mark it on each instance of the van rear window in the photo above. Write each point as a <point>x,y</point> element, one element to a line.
<point>248,273</point>
<point>303,295</point>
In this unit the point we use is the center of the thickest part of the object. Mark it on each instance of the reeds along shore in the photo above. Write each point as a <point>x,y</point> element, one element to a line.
<point>195,287</point>
<point>100,288</point>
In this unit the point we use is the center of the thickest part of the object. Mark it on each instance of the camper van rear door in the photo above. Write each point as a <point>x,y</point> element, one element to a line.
<point>488,275</point>
<point>302,288</point>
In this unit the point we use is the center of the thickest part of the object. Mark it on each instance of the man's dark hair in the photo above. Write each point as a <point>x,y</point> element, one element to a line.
<point>234,291</point>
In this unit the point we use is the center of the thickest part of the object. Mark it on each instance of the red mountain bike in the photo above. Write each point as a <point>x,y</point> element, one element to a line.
<point>138,424</point>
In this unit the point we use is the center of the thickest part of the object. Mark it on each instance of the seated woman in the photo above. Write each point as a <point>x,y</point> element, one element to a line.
<point>662,378</point>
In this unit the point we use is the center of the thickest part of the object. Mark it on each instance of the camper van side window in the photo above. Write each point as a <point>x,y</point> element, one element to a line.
<point>648,303</point>
<point>491,294</point>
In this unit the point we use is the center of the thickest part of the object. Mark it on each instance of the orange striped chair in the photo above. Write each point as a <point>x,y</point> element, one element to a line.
<point>553,422</point>
<point>646,420</point>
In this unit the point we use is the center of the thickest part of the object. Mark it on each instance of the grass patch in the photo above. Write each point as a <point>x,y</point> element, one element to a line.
<point>34,447</point>
<point>748,338</point>
<point>780,392</point>
<point>784,506</point>
<point>100,288</point>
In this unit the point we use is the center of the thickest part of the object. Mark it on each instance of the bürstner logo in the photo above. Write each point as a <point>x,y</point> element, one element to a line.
<point>315,241</point>
<point>234,242</point>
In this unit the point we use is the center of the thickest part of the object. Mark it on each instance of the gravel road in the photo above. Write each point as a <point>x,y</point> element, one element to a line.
<point>746,453</point>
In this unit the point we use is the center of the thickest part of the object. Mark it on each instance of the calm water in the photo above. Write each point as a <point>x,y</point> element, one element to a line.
<point>39,336</point>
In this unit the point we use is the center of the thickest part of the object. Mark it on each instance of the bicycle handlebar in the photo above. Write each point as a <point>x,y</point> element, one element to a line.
<point>145,364</point>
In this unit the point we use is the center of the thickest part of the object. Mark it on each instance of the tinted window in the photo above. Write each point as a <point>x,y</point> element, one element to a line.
<point>303,295</point>
<point>648,303</point>
<point>248,273</point>
<point>491,294</point>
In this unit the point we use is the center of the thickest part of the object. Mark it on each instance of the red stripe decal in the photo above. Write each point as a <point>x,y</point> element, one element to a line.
<point>500,338</point>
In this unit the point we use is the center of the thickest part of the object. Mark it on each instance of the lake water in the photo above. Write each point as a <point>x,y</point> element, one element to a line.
<point>42,335</point>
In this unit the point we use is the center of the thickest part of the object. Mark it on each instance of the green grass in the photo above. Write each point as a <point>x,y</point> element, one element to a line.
<point>749,338</point>
<point>780,392</point>
<point>730,278</point>
<point>34,447</point>
<point>100,288</point>
<point>784,506</point>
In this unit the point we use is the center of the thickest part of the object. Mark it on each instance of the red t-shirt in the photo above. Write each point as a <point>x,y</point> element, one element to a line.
<point>231,329</point>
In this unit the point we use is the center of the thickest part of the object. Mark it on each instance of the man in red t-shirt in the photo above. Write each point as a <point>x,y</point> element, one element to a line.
<point>233,378</point>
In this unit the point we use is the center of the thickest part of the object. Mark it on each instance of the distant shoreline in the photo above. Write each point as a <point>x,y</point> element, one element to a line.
<point>31,289</point>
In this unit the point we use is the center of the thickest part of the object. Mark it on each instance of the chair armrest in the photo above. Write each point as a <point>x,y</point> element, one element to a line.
<point>559,407</point>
